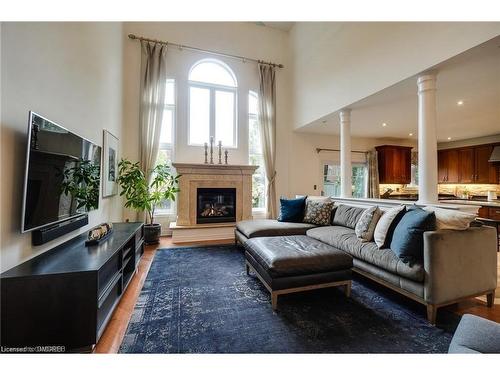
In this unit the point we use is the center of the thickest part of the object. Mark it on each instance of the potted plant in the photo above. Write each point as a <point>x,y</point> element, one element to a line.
<point>145,197</point>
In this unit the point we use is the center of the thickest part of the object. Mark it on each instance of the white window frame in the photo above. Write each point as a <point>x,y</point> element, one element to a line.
<point>212,87</point>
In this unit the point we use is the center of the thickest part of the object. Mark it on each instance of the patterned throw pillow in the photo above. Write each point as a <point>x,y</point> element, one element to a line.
<point>318,212</point>
<point>366,224</point>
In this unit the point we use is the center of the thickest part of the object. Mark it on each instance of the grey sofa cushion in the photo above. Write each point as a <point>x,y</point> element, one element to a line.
<point>475,335</point>
<point>347,216</point>
<point>268,227</point>
<point>296,255</point>
<point>345,239</point>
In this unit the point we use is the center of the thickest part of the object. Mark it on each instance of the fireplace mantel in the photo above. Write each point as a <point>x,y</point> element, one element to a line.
<point>198,168</point>
<point>196,175</point>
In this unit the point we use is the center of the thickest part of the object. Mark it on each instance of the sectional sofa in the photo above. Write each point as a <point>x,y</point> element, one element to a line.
<point>457,264</point>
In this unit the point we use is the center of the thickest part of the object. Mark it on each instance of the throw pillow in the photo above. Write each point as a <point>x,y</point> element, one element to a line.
<point>318,212</point>
<point>408,238</point>
<point>451,219</point>
<point>366,224</point>
<point>386,224</point>
<point>292,210</point>
<point>347,216</point>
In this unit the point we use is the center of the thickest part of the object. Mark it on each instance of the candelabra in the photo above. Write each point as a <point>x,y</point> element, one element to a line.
<point>220,152</point>
<point>206,153</point>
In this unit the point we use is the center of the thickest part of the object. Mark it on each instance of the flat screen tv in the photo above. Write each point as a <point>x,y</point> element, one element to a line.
<point>63,173</point>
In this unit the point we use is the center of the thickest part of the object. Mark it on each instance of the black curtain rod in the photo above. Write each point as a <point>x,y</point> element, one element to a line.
<point>182,46</point>
<point>318,150</point>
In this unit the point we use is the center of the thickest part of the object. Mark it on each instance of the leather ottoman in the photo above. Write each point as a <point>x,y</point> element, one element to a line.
<point>289,264</point>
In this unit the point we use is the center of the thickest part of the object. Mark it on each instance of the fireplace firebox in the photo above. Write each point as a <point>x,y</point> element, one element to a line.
<point>216,205</point>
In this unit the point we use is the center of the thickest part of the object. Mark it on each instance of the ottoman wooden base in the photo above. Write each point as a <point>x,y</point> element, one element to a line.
<point>276,293</point>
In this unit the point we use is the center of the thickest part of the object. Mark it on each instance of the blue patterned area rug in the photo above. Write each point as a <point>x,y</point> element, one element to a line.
<point>200,300</point>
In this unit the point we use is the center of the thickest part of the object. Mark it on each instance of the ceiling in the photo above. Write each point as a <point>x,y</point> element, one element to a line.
<point>284,26</point>
<point>472,77</point>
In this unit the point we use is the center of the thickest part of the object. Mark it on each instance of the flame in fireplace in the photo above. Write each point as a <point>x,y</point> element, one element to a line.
<point>214,209</point>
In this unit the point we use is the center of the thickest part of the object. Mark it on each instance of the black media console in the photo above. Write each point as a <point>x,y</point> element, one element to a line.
<point>65,296</point>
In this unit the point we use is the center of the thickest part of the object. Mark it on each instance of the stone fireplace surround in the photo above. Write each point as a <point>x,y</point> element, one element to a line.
<point>194,176</point>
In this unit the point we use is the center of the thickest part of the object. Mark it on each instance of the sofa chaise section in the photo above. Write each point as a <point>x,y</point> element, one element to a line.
<point>268,228</point>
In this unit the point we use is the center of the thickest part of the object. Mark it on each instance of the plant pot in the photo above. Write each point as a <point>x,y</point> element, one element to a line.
<point>152,233</point>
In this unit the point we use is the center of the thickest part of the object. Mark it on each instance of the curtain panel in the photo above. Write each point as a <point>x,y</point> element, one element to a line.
<point>152,102</point>
<point>267,123</point>
<point>373,181</point>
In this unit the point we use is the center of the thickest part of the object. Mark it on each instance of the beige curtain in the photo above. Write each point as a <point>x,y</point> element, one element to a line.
<point>267,122</point>
<point>153,87</point>
<point>373,182</point>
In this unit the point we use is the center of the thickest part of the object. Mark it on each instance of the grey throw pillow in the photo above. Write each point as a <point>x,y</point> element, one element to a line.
<point>318,212</point>
<point>347,216</point>
<point>366,224</point>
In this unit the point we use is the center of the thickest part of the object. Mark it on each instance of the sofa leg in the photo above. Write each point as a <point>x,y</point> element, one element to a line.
<point>490,299</point>
<point>248,269</point>
<point>348,289</point>
<point>431,314</point>
<point>274,301</point>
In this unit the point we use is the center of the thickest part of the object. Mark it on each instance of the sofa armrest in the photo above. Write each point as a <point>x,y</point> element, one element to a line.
<point>459,264</point>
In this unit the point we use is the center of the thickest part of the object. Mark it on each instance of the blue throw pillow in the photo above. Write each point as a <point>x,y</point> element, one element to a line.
<point>408,237</point>
<point>292,210</point>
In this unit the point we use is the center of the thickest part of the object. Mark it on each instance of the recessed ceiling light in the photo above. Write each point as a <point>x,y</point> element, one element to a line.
<point>460,102</point>
<point>411,134</point>
<point>384,124</point>
<point>449,138</point>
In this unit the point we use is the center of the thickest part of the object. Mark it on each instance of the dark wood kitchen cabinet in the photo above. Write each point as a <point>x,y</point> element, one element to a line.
<point>467,165</point>
<point>394,164</point>
<point>448,166</point>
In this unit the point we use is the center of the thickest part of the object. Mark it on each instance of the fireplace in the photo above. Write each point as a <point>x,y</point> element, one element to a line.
<point>215,205</point>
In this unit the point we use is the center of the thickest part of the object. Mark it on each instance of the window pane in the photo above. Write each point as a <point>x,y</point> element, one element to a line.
<point>224,117</point>
<point>252,104</point>
<point>166,127</point>
<point>331,180</point>
<point>170,92</point>
<point>212,72</point>
<point>254,143</point>
<point>199,115</point>
<point>359,175</point>
<point>258,182</point>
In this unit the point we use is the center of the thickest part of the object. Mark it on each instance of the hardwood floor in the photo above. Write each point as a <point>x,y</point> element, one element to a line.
<point>115,331</point>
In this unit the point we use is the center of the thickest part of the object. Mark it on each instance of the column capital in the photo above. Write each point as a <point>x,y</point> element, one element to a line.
<point>427,81</point>
<point>345,114</point>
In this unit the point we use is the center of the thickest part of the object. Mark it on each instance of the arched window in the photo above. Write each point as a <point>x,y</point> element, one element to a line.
<point>212,103</point>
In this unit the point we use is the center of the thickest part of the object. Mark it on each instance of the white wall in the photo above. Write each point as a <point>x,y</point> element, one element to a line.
<point>72,74</point>
<point>237,38</point>
<point>336,64</point>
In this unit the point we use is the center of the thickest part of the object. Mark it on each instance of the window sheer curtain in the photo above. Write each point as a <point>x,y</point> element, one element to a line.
<point>267,122</point>
<point>373,190</point>
<point>152,99</point>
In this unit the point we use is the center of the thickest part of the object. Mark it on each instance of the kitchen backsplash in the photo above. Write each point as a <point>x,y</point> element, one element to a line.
<point>455,189</point>
<point>476,189</point>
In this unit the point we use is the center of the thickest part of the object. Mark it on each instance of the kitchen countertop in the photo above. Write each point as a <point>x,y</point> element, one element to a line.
<point>483,203</point>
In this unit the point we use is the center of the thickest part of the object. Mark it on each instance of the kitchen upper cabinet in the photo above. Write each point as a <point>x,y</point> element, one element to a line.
<point>448,166</point>
<point>394,164</point>
<point>467,165</point>
<point>486,172</point>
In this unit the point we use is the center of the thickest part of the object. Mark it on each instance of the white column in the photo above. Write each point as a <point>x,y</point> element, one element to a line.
<point>345,154</point>
<point>427,141</point>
